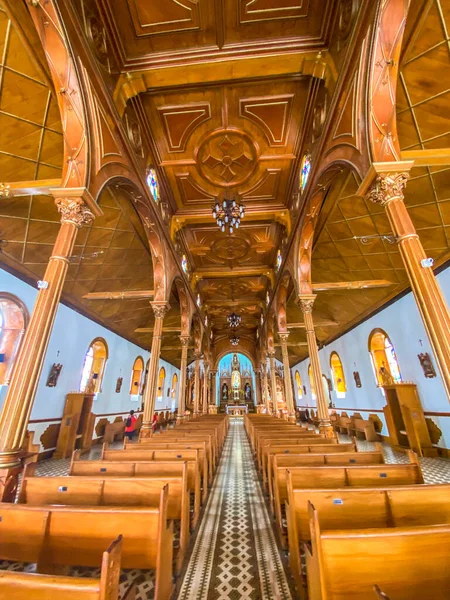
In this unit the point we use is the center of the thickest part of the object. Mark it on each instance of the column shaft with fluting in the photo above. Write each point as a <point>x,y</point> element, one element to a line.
<point>388,191</point>
<point>258,392</point>
<point>273,383</point>
<point>197,385</point>
<point>184,340</point>
<point>205,387</point>
<point>160,309</point>
<point>213,388</point>
<point>306,303</point>
<point>287,375</point>
<point>19,400</point>
<point>266,386</point>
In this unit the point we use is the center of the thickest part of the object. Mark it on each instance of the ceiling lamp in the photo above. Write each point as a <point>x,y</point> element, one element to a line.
<point>234,341</point>
<point>228,214</point>
<point>234,320</point>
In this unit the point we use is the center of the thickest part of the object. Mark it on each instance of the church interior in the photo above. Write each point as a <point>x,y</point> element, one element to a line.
<point>224,299</point>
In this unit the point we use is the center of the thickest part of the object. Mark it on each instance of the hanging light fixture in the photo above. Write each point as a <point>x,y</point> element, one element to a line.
<point>228,214</point>
<point>234,320</point>
<point>234,340</point>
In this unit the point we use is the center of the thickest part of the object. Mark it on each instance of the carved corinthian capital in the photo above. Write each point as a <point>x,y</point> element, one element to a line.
<point>284,336</point>
<point>306,303</point>
<point>160,309</point>
<point>387,186</point>
<point>74,210</point>
<point>184,340</point>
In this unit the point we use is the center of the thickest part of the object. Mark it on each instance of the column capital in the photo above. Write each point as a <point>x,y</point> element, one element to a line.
<point>160,308</point>
<point>306,302</point>
<point>184,340</point>
<point>197,355</point>
<point>75,211</point>
<point>284,336</point>
<point>271,353</point>
<point>387,187</point>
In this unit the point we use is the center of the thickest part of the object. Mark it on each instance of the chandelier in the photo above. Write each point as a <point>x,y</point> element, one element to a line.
<point>228,214</point>
<point>234,340</point>
<point>234,320</point>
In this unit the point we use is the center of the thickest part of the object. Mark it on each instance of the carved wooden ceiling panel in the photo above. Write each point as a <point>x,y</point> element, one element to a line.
<point>158,31</point>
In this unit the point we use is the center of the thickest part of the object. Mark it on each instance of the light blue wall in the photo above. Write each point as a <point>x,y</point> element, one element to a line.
<point>71,336</point>
<point>403,324</point>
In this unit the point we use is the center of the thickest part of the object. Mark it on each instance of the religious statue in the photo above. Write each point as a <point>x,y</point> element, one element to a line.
<point>55,371</point>
<point>225,392</point>
<point>385,376</point>
<point>426,364</point>
<point>247,392</point>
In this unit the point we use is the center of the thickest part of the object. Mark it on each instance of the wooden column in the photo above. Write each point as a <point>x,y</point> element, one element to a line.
<point>213,387</point>
<point>258,391</point>
<point>28,366</point>
<point>197,385</point>
<point>287,375</point>
<point>306,302</point>
<point>387,190</point>
<point>266,386</point>
<point>184,340</point>
<point>273,383</point>
<point>205,387</point>
<point>160,310</point>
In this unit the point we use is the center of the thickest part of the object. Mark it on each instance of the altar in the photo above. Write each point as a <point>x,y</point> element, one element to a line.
<point>236,410</point>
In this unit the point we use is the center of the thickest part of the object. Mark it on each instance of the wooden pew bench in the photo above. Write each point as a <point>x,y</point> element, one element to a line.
<point>149,453</point>
<point>154,468</point>
<point>325,477</point>
<point>133,492</point>
<point>281,462</point>
<point>211,436</point>
<point>407,563</point>
<point>266,447</point>
<point>61,536</point>
<point>362,508</point>
<point>113,431</point>
<point>16,585</point>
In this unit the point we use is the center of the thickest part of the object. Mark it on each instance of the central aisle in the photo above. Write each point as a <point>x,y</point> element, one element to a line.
<point>235,554</point>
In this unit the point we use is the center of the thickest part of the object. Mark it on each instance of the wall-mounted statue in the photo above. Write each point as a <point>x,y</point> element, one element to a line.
<point>247,392</point>
<point>224,392</point>
<point>426,364</point>
<point>55,371</point>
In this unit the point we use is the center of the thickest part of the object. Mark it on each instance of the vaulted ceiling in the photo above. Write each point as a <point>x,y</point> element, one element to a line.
<point>224,97</point>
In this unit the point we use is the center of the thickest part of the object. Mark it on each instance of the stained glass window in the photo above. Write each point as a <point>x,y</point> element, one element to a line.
<point>199,301</point>
<point>184,265</point>
<point>279,259</point>
<point>267,299</point>
<point>152,183</point>
<point>305,171</point>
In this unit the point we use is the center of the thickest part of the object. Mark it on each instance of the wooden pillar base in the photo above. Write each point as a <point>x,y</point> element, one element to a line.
<point>292,418</point>
<point>9,482</point>
<point>326,428</point>
<point>146,431</point>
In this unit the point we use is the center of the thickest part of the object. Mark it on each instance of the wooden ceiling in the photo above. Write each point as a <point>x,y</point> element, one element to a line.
<point>226,103</point>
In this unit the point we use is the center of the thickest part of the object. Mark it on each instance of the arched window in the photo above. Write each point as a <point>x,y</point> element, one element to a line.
<point>136,376</point>
<point>161,380</point>
<point>94,366</point>
<point>311,383</point>
<point>305,170</point>
<point>338,375</point>
<point>13,321</point>
<point>384,359</point>
<point>152,182</point>
<point>298,381</point>
<point>174,387</point>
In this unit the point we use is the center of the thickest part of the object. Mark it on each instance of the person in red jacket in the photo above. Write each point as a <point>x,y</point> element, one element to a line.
<point>130,425</point>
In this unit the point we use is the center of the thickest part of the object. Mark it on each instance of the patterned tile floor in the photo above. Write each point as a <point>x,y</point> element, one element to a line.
<point>235,555</point>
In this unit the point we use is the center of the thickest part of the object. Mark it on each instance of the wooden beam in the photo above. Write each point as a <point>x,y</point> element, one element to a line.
<point>150,330</point>
<point>40,187</point>
<point>350,285</point>
<point>132,295</point>
<point>316,324</point>
<point>428,158</point>
<point>292,344</point>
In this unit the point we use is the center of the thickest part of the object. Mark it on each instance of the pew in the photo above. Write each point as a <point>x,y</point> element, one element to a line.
<point>149,454</point>
<point>407,563</point>
<point>362,508</point>
<point>309,440</point>
<point>280,462</point>
<point>90,491</point>
<point>16,585</point>
<point>113,431</point>
<point>301,447</point>
<point>55,536</point>
<point>326,477</point>
<point>157,469</point>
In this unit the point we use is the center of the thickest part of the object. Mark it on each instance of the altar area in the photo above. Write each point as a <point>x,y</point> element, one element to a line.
<point>236,411</point>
